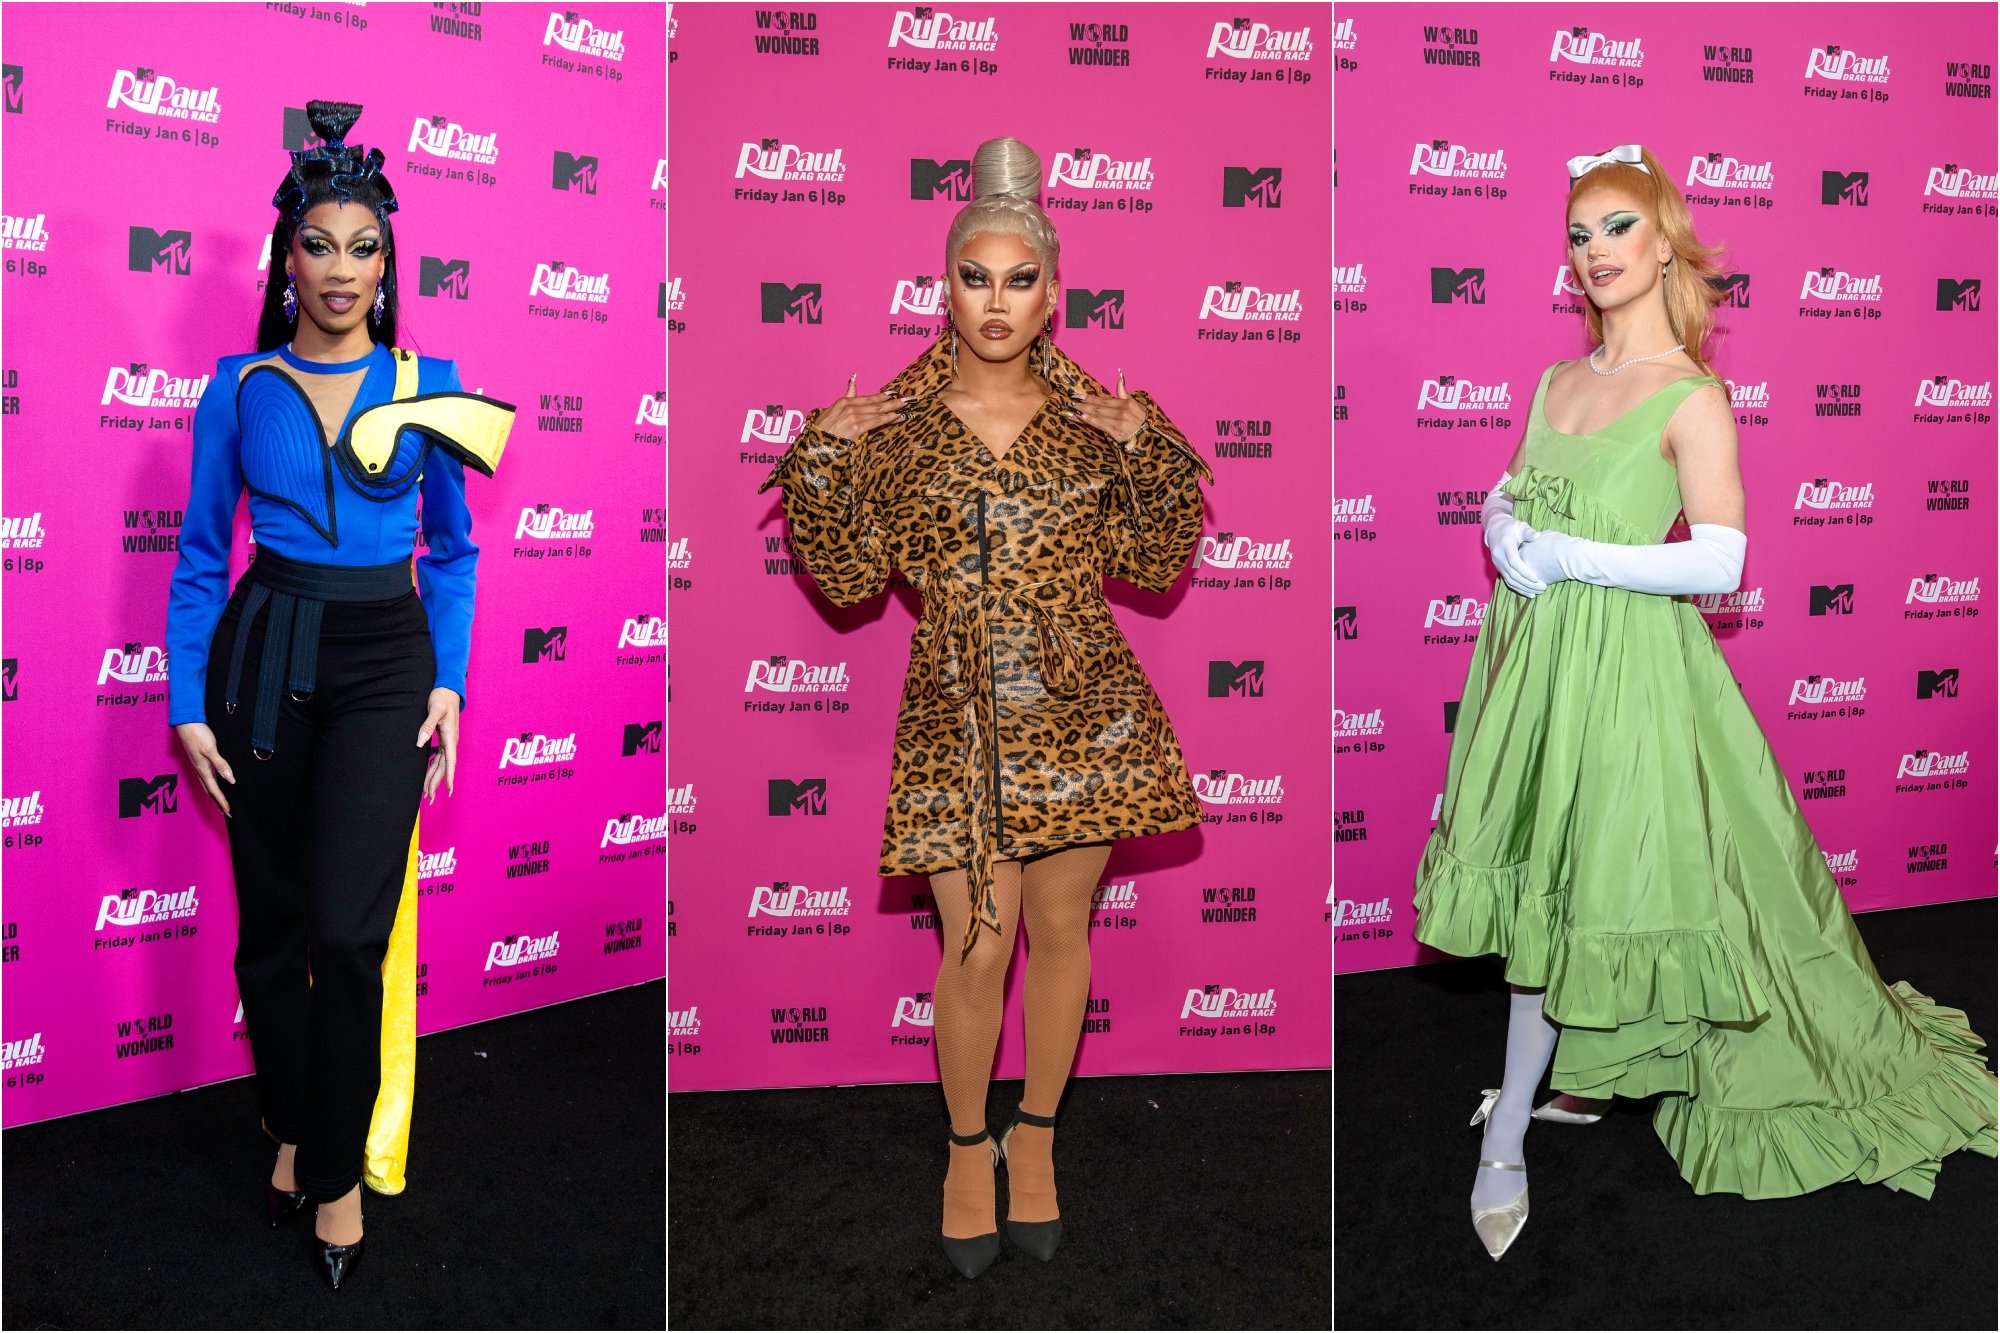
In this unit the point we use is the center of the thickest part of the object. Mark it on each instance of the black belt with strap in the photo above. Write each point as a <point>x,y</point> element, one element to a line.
<point>298,593</point>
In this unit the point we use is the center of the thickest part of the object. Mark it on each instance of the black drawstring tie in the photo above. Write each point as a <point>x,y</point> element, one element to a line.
<point>298,593</point>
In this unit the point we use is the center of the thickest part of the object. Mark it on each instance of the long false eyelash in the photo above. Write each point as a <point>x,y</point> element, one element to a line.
<point>968,276</point>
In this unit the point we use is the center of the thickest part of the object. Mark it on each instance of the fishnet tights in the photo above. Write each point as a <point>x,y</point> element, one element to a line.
<point>1052,893</point>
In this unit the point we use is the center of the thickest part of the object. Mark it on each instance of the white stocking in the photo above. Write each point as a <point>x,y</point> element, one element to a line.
<point>1531,1040</point>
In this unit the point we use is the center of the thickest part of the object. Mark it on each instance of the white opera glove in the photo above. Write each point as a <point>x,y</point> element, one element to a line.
<point>1711,562</point>
<point>1504,535</point>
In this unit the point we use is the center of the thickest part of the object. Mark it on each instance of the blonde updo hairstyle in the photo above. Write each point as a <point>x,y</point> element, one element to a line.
<point>1006,181</point>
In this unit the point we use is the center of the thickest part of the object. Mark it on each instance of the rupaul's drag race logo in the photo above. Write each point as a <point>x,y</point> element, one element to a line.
<point>24,233</point>
<point>1226,550</point>
<point>652,409</point>
<point>553,523</point>
<point>21,811</point>
<point>1828,690</point>
<point>795,901</point>
<point>565,282</point>
<point>1956,182</point>
<point>1827,283</point>
<point>150,93</point>
<point>21,1053</point>
<point>1348,912</point>
<point>1824,493</point>
<point>790,675</point>
<point>1942,391</point>
<point>1840,65</point>
<point>624,830</point>
<point>931,29</point>
<point>138,385</point>
<point>143,907</point>
<point>1088,169</point>
<point>531,748</point>
<point>1448,161</point>
<point>1219,786</point>
<point>133,664</point>
<point>922,296</point>
<point>1581,46</point>
<point>521,950</point>
<point>643,632</point>
<point>1720,171</point>
<point>1249,303</point>
<point>1242,39</point>
<point>1933,764</point>
<point>1454,611</point>
<point>684,1022</point>
<point>579,36</point>
<point>775,160</point>
<point>1348,725</point>
<point>914,1010</point>
<point>773,424</point>
<point>441,136</point>
<point>1937,590</point>
<point>1232,1012</point>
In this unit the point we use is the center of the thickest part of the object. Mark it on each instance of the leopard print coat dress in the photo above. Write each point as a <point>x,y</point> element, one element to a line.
<point>1026,723</point>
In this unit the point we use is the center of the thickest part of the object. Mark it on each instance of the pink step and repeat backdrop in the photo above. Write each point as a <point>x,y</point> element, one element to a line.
<point>817,157</point>
<point>1848,167</point>
<point>141,145</point>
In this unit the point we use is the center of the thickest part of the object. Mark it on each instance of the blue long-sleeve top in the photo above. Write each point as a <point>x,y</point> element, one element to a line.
<point>290,516</point>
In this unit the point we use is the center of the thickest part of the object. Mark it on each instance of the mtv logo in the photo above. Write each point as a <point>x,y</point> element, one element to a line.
<point>784,304</point>
<point>806,797</point>
<point>143,73</point>
<point>1450,715</point>
<point>767,145</point>
<point>1236,25</point>
<point>1850,187</point>
<point>1937,684</point>
<point>439,122</point>
<point>1243,679</point>
<point>545,645</point>
<point>642,737</point>
<point>10,689</point>
<point>1080,154</point>
<point>1958,293</point>
<point>576,172</point>
<point>1232,286</point>
<point>922,11</point>
<point>1831,600</point>
<point>444,277</point>
<point>12,76</point>
<point>297,130</point>
<point>1466,285</point>
<point>663,301</point>
<point>149,251</point>
<point>1083,308</point>
<point>1242,186</point>
<point>1346,622</point>
<point>949,178</point>
<point>137,795</point>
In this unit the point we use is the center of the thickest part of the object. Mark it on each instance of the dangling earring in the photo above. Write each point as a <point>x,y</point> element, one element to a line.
<point>377,316</point>
<point>291,301</point>
<point>951,331</point>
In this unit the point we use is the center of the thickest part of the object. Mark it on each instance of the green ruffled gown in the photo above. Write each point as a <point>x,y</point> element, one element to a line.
<point>1615,825</point>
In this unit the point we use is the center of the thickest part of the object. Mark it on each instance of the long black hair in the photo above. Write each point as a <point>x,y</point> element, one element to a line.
<point>330,121</point>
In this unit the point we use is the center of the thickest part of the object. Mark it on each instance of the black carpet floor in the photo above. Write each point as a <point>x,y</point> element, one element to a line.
<point>1188,1201</point>
<point>1615,1238</point>
<point>535,1197</point>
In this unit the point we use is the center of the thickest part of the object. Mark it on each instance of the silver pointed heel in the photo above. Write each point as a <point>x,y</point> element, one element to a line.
<point>1549,1111</point>
<point>1499,1225</point>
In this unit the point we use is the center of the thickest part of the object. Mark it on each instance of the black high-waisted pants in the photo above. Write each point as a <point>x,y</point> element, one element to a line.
<point>319,839</point>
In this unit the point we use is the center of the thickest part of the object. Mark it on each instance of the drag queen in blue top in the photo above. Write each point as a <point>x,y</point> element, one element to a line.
<point>308,698</point>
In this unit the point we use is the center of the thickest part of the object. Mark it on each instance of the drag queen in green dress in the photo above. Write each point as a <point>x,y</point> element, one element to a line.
<point>1614,823</point>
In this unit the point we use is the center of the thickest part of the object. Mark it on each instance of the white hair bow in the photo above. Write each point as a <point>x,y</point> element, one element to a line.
<point>1625,152</point>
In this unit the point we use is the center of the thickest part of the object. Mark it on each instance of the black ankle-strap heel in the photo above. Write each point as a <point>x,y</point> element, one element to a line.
<point>971,1255</point>
<point>1038,1239</point>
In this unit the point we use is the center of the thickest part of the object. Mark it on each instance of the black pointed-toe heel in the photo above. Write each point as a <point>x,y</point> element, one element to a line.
<point>282,1205</point>
<point>972,1255</point>
<point>1037,1239</point>
<point>336,1263</point>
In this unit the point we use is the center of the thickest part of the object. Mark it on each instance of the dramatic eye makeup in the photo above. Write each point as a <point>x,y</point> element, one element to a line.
<point>974,276</point>
<point>1618,224</point>
<point>317,245</point>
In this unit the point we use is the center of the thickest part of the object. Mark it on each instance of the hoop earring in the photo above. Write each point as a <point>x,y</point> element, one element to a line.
<point>291,299</point>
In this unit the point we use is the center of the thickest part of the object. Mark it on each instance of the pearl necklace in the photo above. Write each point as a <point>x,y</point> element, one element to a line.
<point>1621,365</point>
